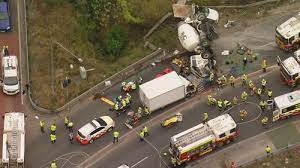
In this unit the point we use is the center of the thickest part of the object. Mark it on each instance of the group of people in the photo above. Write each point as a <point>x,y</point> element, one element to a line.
<point>69,125</point>
<point>122,103</point>
<point>259,92</point>
<point>142,134</point>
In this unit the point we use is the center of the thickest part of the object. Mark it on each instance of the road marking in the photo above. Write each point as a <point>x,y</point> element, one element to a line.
<point>270,43</point>
<point>139,162</point>
<point>20,53</point>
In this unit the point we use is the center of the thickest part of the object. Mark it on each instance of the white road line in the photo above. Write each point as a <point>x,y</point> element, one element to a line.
<point>20,53</point>
<point>270,43</point>
<point>139,162</point>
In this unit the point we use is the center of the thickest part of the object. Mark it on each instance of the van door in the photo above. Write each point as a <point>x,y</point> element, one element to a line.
<point>276,114</point>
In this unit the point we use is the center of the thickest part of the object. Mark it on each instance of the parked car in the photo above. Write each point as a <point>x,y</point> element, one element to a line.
<point>93,130</point>
<point>5,24</point>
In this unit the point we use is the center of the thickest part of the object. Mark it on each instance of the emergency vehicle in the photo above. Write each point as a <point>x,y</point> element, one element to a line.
<point>202,139</point>
<point>93,130</point>
<point>13,147</point>
<point>286,105</point>
<point>10,75</point>
<point>288,34</point>
<point>289,70</point>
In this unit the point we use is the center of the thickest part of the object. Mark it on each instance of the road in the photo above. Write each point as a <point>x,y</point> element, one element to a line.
<point>71,155</point>
<point>10,39</point>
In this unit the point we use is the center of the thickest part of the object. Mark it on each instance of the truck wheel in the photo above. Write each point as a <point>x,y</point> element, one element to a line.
<point>206,55</point>
<point>204,42</point>
<point>201,16</point>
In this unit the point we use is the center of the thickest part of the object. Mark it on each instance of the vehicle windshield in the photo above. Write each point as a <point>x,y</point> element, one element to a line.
<point>10,80</point>
<point>80,134</point>
<point>3,11</point>
<point>281,38</point>
<point>101,122</point>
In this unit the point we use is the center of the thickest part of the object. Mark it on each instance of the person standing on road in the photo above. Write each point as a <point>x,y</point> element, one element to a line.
<point>269,93</point>
<point>268,150</point>
<point>53,164</point>
<point>259,92</point>
<point>244,96</point>
<point>142,135</point>
<point>42,124</point>
<point>52,138</point>
<point>264,121</point>
<point>70,126</point>
<point>235,100</point>
<point>263,84</point>
<point>243,114</point>
<point>66,121</point>
<point>71,137</point>
<point>231,80</point>
<point>244,80</point>
<point>145,130</point>
<point>220,104</point>
<point>245,60</point>
<point>116,135</point>
<point>263,105</point>
<point>53,128</point>
<point>264,65</point>
<point>205,117</point>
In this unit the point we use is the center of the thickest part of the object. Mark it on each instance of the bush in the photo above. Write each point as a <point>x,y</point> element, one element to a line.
<point>115,42</point>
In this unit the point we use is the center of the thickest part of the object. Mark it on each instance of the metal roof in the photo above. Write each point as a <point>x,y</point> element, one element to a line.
<point>291,65</point>
<point>221,124</point>
<point>11,119</point>
<point>287,99</point>
<point>290,28</point>
<point>161,85</point>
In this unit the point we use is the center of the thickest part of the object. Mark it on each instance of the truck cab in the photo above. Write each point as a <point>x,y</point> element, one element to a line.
<point>10,75</point>
<point>288,34</point>
<point>289,70</point>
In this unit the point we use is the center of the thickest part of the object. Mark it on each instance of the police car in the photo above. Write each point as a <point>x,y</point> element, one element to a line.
<point>93,130</point>
<point>10,75</point>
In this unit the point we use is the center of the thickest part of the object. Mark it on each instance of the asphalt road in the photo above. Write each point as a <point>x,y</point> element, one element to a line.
<point>40,152</point>
<point>10,39</point>
<point>131,151</point>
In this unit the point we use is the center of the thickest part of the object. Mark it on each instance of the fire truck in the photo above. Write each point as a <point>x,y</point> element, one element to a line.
<point>289,70</point>
<point>286,105</point>
<point>203,138</point>
<point>13,147</point>
<point>288,34</point>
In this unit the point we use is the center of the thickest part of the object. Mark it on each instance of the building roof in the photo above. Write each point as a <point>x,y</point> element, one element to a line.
<point>291,65</point>
<point>290,28</point>
<point>287,99</point>
<point>161,85</point>
<point>221,124</point>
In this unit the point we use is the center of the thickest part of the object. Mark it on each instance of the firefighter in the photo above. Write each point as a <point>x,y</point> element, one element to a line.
<point>269,93</point>
<point>133,86</point>
<point>263,105</point>
<point>253,90</point>
<point>127,100</point>
<point>235,100</point>
<point>117,107</point>
<point>243,114</point>
<point>231,80</point>
<point>259,91</point>
<point>264,121</point>
<point>264,65</point>
<point>42,124</point>
<point>174,162</point>
<point>263,84</point>
<point>220,104</point>
<point>66,121</point>
<point>116,135</point>
<point>147,112</point>
<point>267,150</point>
<point>209,100</point>
<point>145,130</point>
<point>224,80</point>
<point>128,96</point>
<point>52,138</point>
<point>244,79</point>
<point>244,96</point>
<point>142,135</point>
<point>53,164</point>
<point>119,98</point>
<point>226,104</point>
<point>245,60</point>
<point>53,128</point>
<point>70,126</point>
<point>205,117</point>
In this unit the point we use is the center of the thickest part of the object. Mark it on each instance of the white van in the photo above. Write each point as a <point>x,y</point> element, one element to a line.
<point>10,75</point>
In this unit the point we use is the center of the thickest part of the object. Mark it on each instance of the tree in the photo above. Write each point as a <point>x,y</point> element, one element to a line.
<point>115,41</point>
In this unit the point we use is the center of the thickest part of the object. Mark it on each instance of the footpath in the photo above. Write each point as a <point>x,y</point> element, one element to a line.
<point>249,150</point>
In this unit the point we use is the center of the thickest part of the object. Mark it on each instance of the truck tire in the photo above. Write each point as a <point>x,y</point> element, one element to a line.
<point>206,55</point>
<point>204,42</point>
<point>201,16</point>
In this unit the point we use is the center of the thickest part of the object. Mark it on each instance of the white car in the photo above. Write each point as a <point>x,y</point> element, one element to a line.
<point>93,130</point>
<point>10,75</point>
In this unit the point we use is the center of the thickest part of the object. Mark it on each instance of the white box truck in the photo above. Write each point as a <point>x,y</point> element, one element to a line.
<point>13,147</point>
<point>163,91</point>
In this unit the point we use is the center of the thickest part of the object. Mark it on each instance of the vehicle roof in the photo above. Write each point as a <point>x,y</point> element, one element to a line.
<point>94,124</point>
<point>221,124</point>
<point>290,28</point>
<point>161,85</point>
<point>13,119</point>
<point>191,137</point>
<point>87,129</point>
<point>287,99</point>
<point>10,64</point>
<point>291,65</point>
